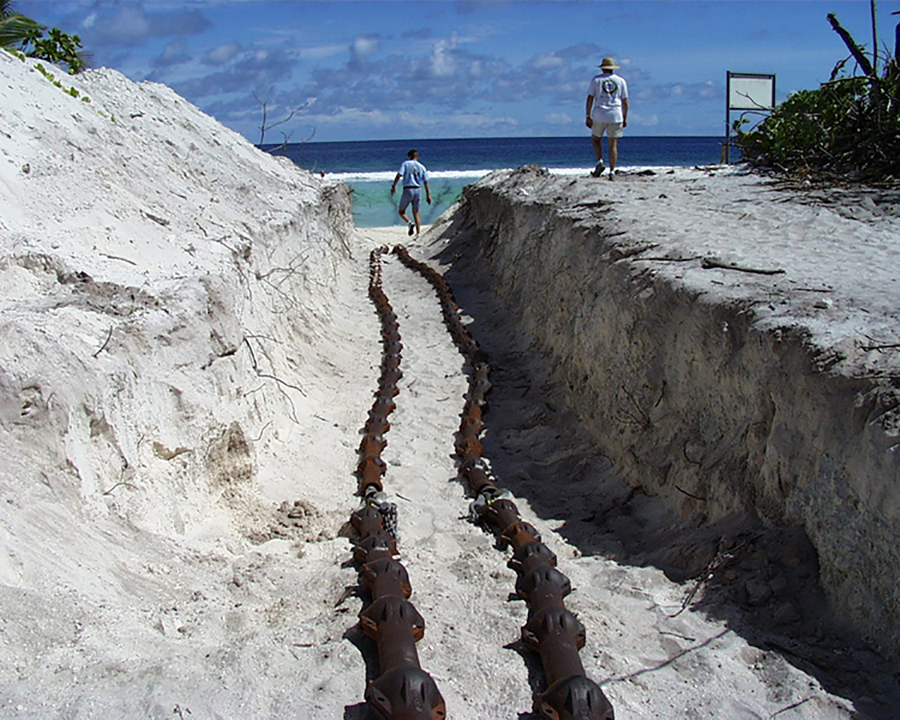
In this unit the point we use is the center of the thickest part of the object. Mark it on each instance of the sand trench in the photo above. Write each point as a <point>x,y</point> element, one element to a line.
<point>182,383</point>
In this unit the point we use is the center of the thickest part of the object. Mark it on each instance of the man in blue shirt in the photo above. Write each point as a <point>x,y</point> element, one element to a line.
<point>414,176</point>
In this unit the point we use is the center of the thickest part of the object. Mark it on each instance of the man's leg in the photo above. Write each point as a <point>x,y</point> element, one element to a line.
<point>416,202</point>
<point>597,142</point>
<point>613,154</point>
<point>405,201</point>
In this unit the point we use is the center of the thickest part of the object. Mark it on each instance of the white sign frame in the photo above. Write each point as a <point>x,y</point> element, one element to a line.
<point>748,93</point>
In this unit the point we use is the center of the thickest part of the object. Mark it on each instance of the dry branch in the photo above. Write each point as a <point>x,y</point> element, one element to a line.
<point>710,263</point>
<point>105,342</point>
<point>855,50</point>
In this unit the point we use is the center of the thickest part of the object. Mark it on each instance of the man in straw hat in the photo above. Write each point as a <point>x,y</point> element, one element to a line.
<point>607,112</point>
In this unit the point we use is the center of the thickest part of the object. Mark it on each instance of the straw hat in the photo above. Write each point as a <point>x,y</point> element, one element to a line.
<point>608,64</point>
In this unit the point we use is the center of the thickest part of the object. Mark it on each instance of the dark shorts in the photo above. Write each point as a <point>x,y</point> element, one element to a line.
<point>411,196</point>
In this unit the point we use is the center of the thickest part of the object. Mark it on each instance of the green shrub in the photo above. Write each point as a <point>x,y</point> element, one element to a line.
<point>846,127</point>
<point>57,47</point>
<point>849,127</point>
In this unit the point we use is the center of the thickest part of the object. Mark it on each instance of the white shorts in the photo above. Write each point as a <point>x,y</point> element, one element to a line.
<point>614,130</point>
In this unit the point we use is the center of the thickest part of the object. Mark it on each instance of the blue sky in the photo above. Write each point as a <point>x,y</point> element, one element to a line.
<point>422,69</point>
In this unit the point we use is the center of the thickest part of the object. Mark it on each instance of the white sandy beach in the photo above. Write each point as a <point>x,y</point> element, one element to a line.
<point>189,354</point>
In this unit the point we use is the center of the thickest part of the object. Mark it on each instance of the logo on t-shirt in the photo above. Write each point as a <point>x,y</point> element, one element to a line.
<point>610,88</point>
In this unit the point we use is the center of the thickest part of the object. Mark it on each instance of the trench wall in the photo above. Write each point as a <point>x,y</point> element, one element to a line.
<point>694,401</point>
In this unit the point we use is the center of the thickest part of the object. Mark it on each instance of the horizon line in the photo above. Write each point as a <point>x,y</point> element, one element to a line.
<point>488,137</point>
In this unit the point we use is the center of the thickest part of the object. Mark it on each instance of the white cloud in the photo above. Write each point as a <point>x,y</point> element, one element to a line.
<point>351,117</point>
<point>557,119</point>
<point>547,61</point>
<point>223,53</point>
<point>365,45</point>
<point>468,121</point>
<point>132,24</point>
<point>644,120</point>
<point>320,52</point>
<point>443,62</point>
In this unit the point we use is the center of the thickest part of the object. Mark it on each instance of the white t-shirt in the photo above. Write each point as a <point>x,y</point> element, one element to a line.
<point>608,90</point>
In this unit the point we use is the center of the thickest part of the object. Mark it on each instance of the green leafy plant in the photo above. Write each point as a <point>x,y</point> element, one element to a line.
<point>59,48</point>
<point>18,32</point>
<point>44,71</point>
<point>847,128</point>
<point>68,91</point>
<point>14,28</point>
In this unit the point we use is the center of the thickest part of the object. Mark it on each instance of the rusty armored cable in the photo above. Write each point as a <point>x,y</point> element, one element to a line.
<point>403,691</point>
<point>551,630</point>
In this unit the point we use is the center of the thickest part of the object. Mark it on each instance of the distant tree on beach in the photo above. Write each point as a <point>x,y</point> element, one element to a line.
<point>847,129</point>
<point>32,39</point>
<point>265,125</point>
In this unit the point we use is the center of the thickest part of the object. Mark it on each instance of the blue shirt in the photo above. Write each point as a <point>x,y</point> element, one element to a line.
<point>414,174</point>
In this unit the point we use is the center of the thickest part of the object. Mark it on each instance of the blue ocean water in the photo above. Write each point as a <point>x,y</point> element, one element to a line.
<point>369,166</point>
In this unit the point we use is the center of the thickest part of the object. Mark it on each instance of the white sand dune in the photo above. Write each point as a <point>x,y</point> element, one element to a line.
<point>188,354</point>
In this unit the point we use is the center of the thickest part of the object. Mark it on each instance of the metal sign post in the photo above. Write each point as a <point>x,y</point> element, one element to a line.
<point>749,93</point>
